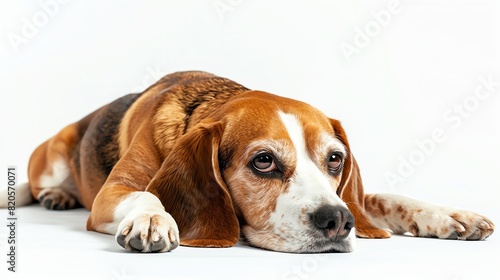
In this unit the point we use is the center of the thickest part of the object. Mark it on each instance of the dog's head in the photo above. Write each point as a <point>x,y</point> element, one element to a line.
<point>273,167</point>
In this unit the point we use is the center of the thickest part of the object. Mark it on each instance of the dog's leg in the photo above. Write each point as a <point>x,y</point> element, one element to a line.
<point>122,207</point>
<point>49,171</point>
<point>402,214</point>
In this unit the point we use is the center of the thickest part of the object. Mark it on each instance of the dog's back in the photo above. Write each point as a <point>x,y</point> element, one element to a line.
<point>70,168</point>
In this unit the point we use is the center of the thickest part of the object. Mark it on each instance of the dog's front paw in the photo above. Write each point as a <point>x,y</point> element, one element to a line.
<point>148,233</point>
<point>453,224</point>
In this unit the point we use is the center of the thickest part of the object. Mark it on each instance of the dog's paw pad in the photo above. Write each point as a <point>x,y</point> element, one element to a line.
<point>136,243</point>
<point>156,246</point>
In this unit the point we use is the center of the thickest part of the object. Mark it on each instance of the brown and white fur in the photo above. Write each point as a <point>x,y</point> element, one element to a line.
<point>199,160</point>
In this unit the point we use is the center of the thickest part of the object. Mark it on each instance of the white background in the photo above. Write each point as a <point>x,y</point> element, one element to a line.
<point>407,75</point>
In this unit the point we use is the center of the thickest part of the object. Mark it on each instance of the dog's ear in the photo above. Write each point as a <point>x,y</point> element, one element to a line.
<point>351,190</point>
<point>190,186</point>
<point>345,181</point>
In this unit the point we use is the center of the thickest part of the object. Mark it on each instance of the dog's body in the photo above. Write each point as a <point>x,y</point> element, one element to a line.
<point>196,158</point>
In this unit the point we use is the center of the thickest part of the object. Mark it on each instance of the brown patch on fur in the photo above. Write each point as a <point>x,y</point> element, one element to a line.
<point>410,218</point>
<point>414,229</point>
<point>445,230</point>
<point>381,208</point>
<point>403,212</point>
<point>376,207</point>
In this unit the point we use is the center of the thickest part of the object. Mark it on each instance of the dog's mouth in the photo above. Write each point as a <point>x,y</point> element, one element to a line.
<point>318,246</point>
<point>329,246</point>
<point>305,242</point>
<point>323,241</point>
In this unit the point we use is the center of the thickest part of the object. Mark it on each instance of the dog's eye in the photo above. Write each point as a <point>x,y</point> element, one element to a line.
<point>334,163</point>
<point>264,163</point>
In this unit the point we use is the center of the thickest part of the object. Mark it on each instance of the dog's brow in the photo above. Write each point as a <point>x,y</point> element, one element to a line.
<point>331,143</point>
<point>279,148</point>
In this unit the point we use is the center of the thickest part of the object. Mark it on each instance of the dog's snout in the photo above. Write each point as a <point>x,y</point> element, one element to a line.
<point>334,221</point>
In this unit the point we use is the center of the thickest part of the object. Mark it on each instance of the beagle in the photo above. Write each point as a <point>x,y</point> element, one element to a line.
<point>199,160</point>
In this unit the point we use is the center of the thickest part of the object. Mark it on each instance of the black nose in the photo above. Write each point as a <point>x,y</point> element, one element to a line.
<point>334,221</point>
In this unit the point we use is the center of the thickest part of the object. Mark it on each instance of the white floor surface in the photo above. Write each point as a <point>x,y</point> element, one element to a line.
<point>55,245</point>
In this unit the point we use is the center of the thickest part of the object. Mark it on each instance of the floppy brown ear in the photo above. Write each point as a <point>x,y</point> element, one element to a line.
<point>351,191</point>
<point>190,186</point>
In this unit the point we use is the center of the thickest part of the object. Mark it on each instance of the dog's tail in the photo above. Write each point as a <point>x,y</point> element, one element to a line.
<point>21,195</point>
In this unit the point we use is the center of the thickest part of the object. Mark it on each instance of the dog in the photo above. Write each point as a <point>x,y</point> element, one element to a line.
<point>199,160</point>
